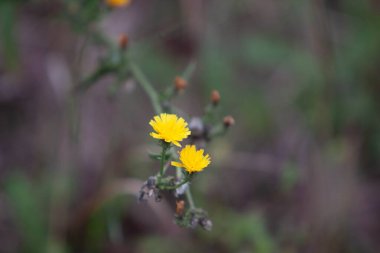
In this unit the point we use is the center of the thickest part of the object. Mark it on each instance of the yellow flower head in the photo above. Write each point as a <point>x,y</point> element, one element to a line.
<point>192,160</point>
<point>169,128</point>
<point>117,3</point>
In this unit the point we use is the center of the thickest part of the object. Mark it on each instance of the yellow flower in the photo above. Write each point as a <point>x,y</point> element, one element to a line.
<point>169,128</point>
<point>192,160</point>
<point>117,3</point>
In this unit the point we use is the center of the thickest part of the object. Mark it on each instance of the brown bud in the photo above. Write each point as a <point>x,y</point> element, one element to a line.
<point>215,97</point>
<point>180,83</point>
<point>180,207</point>
<point>228,121</point>
<point>123,41</point>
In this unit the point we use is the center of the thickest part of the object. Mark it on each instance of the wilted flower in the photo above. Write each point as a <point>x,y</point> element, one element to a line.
<point>148,189</point>
<point>192,160</point>
<point>170,128</point>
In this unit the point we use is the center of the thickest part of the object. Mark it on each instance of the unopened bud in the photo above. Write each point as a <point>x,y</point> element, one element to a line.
<point>117,3</point>
<point>123,41</point>
<point>215,97</point>
<point>180,83</point>
<point>228,121</point>
<point>180,207</point>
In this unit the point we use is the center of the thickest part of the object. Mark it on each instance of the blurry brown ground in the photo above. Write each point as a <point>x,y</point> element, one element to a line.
<point>298,173</point>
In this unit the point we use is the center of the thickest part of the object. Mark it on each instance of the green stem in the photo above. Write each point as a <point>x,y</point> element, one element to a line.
<point>163,153</point>
<point>171,92</point>
<point>218,130</point>
<point>91,80</point>
<point>166,167</point>
<point>146,85</point>
<point>189,70</point>
<point>177,185</point>
<point>189,197</point>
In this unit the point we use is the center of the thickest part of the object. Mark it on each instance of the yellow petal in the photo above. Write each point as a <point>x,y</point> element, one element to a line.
<point>176,143</point>
<point>156,136</point>
<point>177,164</point>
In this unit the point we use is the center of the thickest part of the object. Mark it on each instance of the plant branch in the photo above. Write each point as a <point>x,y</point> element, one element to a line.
<point>189,197</point>
<point>189,70</point>
<point>163,154</point>
<point>147,86</point>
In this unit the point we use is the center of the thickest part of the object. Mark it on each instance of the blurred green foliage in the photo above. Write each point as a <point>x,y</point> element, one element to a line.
<point>29,212</point>
<point>8,33</point>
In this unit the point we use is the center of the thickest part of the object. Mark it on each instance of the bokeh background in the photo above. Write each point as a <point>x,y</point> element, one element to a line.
<point>299,171</point>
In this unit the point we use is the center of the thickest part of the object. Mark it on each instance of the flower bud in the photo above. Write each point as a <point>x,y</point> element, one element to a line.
<point>123,41</point>
<point>215,97</point>
<point>180,83</point>
<point>180,207</point>
<point>228,121</point>
<point>117,3</point>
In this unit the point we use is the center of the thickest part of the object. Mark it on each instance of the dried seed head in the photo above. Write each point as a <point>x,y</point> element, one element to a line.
<point>228,121</point>
<point>123,41</point>
<point>180,207</point>
<point>206,224</point>
<point>180,83</point>
<point>215,97</point>
<point>148,189</point>
<point>197,127</point>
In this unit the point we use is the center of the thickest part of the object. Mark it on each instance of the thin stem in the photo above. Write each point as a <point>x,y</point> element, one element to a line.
<point>218,130</point>
<point>146,85</point>
<point>182,183</point>
<point>189,70</point>
<point>166,167</point>
<point>171,91</point>
<point>163,153</point>
<point>189,197</point>
<point>92,79</point>
<point>209,114</point>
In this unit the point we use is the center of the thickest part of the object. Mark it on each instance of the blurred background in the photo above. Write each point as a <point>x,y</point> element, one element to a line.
<point>299,172</point>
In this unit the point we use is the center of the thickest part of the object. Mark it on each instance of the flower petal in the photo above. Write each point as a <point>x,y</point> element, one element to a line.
<point>176,143</point>
<point>155,135</point>
<point>177,164</point>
